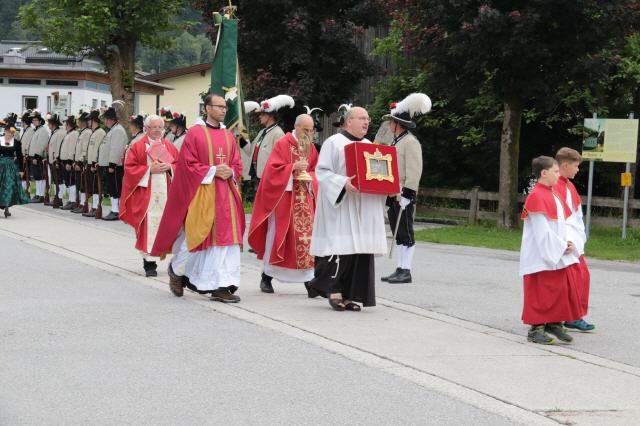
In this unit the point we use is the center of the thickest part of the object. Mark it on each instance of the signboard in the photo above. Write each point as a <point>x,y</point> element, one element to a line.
<point>60,105</point>
<point>625,179</point>
<point>614,140</point>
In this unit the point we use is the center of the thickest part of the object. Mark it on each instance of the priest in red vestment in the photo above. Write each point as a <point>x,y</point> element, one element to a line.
<point>282,217</point>
<point>203,222</point>
<point>145,186</point>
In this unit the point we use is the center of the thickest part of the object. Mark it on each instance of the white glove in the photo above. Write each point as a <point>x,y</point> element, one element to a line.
<point>404,202</point>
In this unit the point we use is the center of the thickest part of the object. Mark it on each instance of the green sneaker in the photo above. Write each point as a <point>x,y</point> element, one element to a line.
<point>559,331</point>
<point>537,335</point>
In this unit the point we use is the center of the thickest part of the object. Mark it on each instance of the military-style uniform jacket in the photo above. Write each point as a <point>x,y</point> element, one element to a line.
<point>112,151</point>
<point>95,145</point>
<point>245,156</point>
<point>67,149</point>
<point>409,163</point>
<point>177,142</point>
<point>265,140</point>
<point>26,138</point>
<point>168,135</point>
<point>56,138</point>
<point>39,142</point>
<point>82,146</point>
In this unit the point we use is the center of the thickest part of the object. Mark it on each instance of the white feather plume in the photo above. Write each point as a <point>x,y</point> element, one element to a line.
<point>414,104</point>
<point>311,110</point>
<point>250,106</point>
<point>345,107</point>
<point>278,102</point>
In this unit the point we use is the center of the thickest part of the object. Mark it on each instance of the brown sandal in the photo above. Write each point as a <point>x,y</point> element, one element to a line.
<point>337,304</point>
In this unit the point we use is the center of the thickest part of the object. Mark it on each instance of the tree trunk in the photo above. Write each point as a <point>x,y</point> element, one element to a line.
<point>509,155</point>
<point>120,65</point>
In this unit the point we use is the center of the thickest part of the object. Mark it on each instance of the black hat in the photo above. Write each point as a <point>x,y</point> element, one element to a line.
<point>137,120</point>
<point>413,105</point>
<point>71,121</point>
<point>26,116</point>
<point>179,120</point>
<point>166,114</point>
<point>110,113</point>
<point>342,113</point>
<point>11,119</point>
<point>54,119</point>
<point>35,114</point>
<point>84,116</point>
<point>94,115</point>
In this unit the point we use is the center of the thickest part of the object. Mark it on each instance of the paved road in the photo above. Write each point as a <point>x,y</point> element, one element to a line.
<point>82,346</point>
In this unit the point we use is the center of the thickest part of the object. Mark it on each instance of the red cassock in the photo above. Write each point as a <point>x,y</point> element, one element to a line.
<point>135,199</point>
<point>293,210</point>
<point>560,188</point>
<point>193,165</point>
<point>550,296</point>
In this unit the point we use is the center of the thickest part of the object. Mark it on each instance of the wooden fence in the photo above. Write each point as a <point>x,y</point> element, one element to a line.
<point>480,205</point>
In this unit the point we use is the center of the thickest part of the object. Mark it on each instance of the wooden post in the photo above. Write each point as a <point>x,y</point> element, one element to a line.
<point>474,205</point>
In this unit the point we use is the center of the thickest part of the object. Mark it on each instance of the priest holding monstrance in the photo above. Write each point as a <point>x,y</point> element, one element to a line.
<point>349,226</point>
<point>203,222</point>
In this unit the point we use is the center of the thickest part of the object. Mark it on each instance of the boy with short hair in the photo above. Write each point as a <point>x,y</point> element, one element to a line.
<point>549,262</point>
<point>569,163</point>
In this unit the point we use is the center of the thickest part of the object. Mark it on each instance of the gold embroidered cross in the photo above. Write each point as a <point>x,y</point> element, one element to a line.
<point>220,156</point>
<point>305,239</point>
<point>301,197</point>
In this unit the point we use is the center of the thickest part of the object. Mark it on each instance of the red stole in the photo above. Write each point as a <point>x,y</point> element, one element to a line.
<point>293,210</point>
<point>560,189</point>
<point>192,166</point>
<point>542,200</point>
<point>135,199</point>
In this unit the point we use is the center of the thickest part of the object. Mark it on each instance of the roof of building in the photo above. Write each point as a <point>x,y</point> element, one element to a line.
<point>34,50</point>
<point>178,72</point>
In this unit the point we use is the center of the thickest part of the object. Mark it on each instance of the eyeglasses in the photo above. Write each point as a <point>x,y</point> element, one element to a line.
<point>218,106</point>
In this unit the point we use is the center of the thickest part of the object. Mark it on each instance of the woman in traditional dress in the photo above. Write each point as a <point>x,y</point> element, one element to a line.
<point>11,192</point>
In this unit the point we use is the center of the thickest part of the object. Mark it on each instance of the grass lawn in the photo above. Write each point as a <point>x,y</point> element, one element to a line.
<point>604,243</point>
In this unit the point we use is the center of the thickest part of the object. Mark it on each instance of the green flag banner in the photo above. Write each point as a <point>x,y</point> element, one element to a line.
<point>225,74</point>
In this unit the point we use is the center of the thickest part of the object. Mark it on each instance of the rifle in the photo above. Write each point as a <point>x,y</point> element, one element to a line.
<point>45,172</point>
<point>26,170</point>
<point>88,189</point>
<point>77,184</point>
<point>55,172</point>
<point>99,209</point>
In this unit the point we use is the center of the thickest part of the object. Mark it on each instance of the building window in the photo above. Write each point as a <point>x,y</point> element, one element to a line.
<point>94,103</point>
<point>29,102</point>
<point>61,83</point>
<point>25,81</point>
<point>104,87</point>
<point>103,104</point>
<point>91,85</point>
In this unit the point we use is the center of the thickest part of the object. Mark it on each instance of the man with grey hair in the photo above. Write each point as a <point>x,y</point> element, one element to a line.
<point>148,173</point>
<point>349,228</point>
<point>282,217</point>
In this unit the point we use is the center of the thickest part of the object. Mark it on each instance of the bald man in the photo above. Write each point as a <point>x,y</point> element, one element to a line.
<point>283,212</point>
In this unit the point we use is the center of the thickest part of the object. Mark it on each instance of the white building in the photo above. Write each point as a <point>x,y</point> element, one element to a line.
<point>34,77</point>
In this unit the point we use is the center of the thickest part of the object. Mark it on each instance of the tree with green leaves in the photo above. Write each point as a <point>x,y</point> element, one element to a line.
<point>107,29</point>
<point>523,52</point>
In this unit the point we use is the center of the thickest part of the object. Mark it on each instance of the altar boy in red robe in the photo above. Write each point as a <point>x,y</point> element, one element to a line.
<point>549,261</point>
<point>282,217</point>
<point>203,222</point>
<point>146,183</point>
<point>569,162</point>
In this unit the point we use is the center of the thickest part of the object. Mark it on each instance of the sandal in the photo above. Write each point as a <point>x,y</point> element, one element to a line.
<point>337,304</point>
<point>354,307</point>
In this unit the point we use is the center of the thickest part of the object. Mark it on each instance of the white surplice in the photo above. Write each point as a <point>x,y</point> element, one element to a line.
<point>349,225</point>
<point>544,241</point>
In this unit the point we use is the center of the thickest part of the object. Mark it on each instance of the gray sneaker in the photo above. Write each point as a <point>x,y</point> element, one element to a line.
<point>537,335</point>
<point>559,331</point>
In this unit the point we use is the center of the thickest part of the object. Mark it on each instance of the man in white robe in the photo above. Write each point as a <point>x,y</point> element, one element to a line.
<point>348,228</point>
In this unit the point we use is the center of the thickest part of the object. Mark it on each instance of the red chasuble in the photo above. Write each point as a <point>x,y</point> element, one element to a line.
<point>216,207</point>
<point>293,210</point>
<point>135,199</point>
<point>550,296</point>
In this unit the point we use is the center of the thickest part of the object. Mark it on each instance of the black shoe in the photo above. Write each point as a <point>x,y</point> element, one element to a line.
<point>311,292</point>
<point>68,206</point>
<point>150,268</point>
<point>265,284</point>
<point>90,213</point>
<point>251,250</point>
<point>111,216</point>
<point>558,330</point>
<point>224,295</point>
<point>404,277</point>
<point>78,209</point>
<point>7,213</point>
<point>537,335</point>
<point>37,199</point>
<point>393,274</point>
<point>176,282</point>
